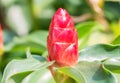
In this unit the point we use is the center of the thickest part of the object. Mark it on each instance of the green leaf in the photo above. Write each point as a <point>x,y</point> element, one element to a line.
<point>96,65</point>
<point>99,52</point>
<point>117,77</point>
<point>43,76</point>
<point>115,28</point>
<point>36,41</point>
<point>16,70</point>
<point>89,68</point>
<point>116,41</point>
<point>113,65</point>
<point>89,72</point>
<point>85,32</point>
<point>73,73</point>
<point>84,28</point>
<point>83,41</point>
<point>39,37</point>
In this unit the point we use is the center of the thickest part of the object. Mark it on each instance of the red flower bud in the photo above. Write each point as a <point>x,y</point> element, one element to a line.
<point>62,40</point>
<point>1,41</point>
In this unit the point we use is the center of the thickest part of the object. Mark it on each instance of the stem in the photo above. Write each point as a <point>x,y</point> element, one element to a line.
<point>81,18</point>
<point>60,77</point>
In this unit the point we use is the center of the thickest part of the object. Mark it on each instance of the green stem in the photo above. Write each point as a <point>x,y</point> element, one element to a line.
<point>60,77</point>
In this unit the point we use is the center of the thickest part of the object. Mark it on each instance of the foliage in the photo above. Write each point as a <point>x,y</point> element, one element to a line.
<point>25,25</point>
<point>104,67</point>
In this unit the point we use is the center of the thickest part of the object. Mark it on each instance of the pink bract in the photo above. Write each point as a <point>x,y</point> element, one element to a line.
<point>62,41</point>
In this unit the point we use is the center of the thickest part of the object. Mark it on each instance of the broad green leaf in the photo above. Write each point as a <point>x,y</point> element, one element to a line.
<point>116,41</point>
<point>113,65</point>
<point>83,41</point>
<point>87,32</point>
<point>16,70</point>
<point>115,28</point>
<point>99,37</point>
<point>89,72</point>
<point>99,52</point>
<point>117,77</point>
<point>39,37</point>
<point>22,46</point>
<point>36,41</point>
<point>73,73</point>
<point>84,28</point>
<point>40,76</point>
<point>94,73</point>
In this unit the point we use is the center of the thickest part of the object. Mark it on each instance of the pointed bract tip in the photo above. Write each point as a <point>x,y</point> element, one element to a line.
<point>62,19</point>
<point>61,12</point>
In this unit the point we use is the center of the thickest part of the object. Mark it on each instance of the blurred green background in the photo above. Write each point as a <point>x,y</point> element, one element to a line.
<point>25,24</point>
